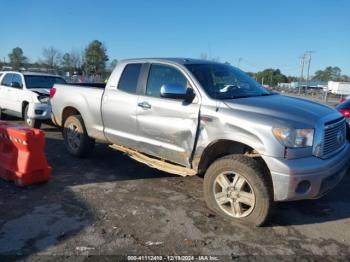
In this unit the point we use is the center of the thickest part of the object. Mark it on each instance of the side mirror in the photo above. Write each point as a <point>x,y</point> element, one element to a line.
<point>15,85</point>
<point>176,92</point>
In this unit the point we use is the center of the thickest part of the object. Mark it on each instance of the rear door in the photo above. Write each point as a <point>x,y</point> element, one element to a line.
<point>166,127</point>
<point>119,107</point>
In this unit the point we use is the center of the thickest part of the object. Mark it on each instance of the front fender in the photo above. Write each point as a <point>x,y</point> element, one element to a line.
<point>224,124</point>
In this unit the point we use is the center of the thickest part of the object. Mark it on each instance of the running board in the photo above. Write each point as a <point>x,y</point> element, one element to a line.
<point>155,163</point>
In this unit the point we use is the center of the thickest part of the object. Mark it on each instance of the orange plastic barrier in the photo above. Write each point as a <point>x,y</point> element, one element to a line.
<point>22,157</point>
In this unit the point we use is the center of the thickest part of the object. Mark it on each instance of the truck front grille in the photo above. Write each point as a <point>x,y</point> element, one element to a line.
<point>334,137</point>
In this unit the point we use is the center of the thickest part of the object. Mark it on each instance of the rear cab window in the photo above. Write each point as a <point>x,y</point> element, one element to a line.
<point>130,77</point>
<point>46,82</point>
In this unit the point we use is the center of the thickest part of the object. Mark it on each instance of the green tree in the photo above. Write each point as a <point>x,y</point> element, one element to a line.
<point>330,73</point>
<point>344,78</point>
<point>95,58</point>
<point>271,77</point>
<point>292,79</point>
<point>17,59</point>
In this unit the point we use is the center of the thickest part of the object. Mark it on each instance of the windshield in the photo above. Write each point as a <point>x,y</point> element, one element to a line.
<point>47,82</point>
<point>222,81</point>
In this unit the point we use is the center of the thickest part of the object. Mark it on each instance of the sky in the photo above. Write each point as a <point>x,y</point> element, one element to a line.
<point>263,33</point>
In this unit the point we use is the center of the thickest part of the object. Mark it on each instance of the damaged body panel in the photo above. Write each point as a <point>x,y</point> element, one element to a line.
<point>168,130</point>
<point>26,95</point>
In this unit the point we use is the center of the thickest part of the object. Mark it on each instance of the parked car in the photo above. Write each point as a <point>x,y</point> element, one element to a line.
<point>344,99</point>
<point>188,117</point>
<point>26,95</point>
<point>344,109</point>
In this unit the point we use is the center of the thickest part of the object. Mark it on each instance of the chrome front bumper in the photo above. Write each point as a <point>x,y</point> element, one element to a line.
<point>307,178</point>
<point>39,111</point>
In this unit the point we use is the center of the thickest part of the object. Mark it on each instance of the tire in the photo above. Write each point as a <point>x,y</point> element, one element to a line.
<point>246,182</point>
<point>76,138</point>
<point>2,115</point>
<point>33,123</point>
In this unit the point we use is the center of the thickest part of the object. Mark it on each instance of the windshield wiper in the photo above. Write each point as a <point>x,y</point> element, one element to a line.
<point>268,94</point>
<point>236,96</point>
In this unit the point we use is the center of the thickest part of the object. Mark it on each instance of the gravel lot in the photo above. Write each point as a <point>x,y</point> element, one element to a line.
<point>109,204</point>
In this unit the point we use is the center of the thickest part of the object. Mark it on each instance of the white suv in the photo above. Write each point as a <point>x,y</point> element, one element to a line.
<point>26,95</point>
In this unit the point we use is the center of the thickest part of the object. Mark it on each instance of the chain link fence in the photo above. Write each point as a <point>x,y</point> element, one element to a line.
<point>315,94</point>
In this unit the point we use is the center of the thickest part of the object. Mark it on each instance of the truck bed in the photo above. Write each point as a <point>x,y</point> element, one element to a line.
<point>94,85</point>
<point>86,97</point>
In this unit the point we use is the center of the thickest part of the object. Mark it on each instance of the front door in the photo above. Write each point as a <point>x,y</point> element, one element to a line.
<point>166,127</point>
<point>15,93</point>
<point>4,91</point>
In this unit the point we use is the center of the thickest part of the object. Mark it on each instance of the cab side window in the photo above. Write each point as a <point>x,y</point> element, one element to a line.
<point>160,75</point>
<point>130,78</point>
<point>7,79</point>
<point>17,78</point>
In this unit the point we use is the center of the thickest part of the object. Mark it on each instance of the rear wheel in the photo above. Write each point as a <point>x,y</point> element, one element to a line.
<point>76,138</point>
<point>236,188</point>
<point>33,123</point>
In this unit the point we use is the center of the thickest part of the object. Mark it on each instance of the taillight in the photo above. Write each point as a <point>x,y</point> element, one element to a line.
<point>345,113</point>
<point>52,92</point>
<point>342,100</point>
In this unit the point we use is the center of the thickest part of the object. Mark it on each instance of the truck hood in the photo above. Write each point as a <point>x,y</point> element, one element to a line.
<point>40,91</point>
<point>292,111</point>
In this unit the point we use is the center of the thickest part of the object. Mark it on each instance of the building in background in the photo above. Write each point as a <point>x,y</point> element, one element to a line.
<point>304,85</point>
<point>339,88</point>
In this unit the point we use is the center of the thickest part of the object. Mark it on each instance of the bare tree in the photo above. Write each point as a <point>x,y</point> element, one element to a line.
<point>76,57</point>
<point>52,57</point>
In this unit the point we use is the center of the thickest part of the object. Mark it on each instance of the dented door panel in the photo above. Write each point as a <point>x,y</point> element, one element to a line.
<point>167,129</point>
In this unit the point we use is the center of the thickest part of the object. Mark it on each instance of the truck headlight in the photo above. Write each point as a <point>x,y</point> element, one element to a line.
<point>290,137</point>
<point>44,99</point>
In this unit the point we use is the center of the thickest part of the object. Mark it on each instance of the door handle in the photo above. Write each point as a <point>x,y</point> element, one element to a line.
<point>144,105</point>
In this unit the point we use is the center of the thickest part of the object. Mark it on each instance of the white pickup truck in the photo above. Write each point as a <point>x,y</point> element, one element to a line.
<point>26,95</point>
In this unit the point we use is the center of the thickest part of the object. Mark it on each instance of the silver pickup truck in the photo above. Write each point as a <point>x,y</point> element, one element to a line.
<point>189,117</point>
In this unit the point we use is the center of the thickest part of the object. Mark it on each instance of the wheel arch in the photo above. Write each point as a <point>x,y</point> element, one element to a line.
<point>224,147</point>
<point>67,112</point>
<point>24,105</point>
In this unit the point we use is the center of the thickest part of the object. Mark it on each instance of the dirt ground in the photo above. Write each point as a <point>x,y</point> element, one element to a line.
<point>109,204</point>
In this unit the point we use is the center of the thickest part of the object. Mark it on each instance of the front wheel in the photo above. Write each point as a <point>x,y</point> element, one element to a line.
<point>76,138</point>
<point>236,188</point>
<point>33,123</point>
<point>2,115</point>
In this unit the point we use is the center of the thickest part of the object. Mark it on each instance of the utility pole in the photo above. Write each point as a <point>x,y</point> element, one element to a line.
<point>302,62</point>
<point>308,53</point>
<point>239,61</point>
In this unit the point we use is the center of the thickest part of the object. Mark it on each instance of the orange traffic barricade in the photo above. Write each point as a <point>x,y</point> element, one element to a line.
<point>22,157</point>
